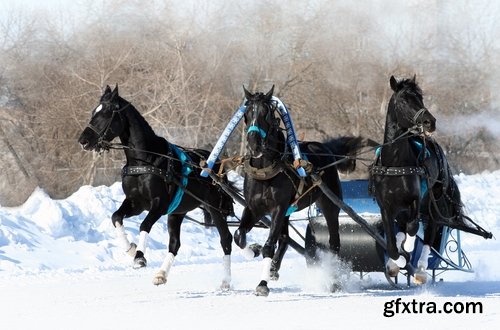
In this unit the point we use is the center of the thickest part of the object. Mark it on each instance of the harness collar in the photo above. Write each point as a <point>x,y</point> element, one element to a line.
<point>265,173</point>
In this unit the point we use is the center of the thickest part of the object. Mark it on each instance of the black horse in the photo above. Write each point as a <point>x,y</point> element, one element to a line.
<point>411,178</point>
<point>158,177</point>
<point>272,184</point>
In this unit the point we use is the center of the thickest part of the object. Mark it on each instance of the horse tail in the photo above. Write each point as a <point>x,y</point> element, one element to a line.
<point>345,146</point>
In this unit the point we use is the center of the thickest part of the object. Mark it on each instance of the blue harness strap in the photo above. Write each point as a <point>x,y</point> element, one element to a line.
<point>420,146</point>
<point>292,208</point>
<point>257,129</point>
<point>186,169</point>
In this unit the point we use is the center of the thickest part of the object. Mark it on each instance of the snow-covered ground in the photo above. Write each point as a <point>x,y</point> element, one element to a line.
<point>60,268</point>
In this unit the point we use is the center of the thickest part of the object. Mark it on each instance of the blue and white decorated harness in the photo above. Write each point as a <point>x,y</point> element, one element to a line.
<point>236,118</point>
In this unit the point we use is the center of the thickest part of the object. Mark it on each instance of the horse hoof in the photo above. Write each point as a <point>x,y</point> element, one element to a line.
<point>131,251</point>
<point>420,276</point>
<point>140,262</point>
<point>240,238</point>
<point>160,278</point>
<point>225,286</point>
<point>262,290</point>
<point>251,251</point>
<point>391,268</point>
<point>274,275</point>
<point>335,287</point>
<point>256,249</point>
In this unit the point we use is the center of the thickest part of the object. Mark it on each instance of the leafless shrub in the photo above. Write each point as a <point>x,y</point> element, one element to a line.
<point>183,67</point>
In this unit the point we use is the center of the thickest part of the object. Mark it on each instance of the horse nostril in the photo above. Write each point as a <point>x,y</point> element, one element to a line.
<point>429,125</point>
<point>84,143</point>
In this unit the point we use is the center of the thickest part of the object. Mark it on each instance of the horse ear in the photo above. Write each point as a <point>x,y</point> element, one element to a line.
<point>269,94</point>
<point>414,79</point>
<point>248,95</point>
<point>394,83</point>
<point>115,92</point>
<point>107,89</point>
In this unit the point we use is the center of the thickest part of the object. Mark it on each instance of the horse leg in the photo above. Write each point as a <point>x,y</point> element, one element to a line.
<point>420,276</point>
<point>331,213</point>
<point>395,261</point>
<point>400,238</point>
<point>174,243</point>
<point>144,229</point>
<point>280,252</point>
<point>125,210</point>
<point>276,229</point>
<point>412,226</point>
<point>225,241</point>
<point>247,222</point>
<point>401,221</point>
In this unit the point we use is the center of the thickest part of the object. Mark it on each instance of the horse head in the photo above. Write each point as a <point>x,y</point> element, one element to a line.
<point>106,122</point>
<point>407,109</point>
<point>262,125</point>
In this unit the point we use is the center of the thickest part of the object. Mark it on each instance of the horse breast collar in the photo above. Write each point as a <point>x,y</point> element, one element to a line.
<point>397,171</point>
<point>146,169</point>
<point>400,170</point>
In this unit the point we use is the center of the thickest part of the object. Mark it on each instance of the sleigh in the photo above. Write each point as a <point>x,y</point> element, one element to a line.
<point>362,251</point>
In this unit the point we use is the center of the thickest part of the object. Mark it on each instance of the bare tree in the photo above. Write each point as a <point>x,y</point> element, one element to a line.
<point>183,68</point>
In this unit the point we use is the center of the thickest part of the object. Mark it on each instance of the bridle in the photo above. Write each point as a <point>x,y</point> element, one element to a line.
<point>270,120</point>
<point>101,134</point>
<point>417,121</point>
<point>418,126</point>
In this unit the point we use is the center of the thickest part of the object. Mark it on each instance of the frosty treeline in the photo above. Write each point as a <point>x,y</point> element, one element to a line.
<point>183,63</point>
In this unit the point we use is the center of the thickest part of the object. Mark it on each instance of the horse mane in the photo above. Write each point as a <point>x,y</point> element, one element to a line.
<point>140,120</point>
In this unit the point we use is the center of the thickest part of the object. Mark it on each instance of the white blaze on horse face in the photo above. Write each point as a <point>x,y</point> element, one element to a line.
<point>99,108</point>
